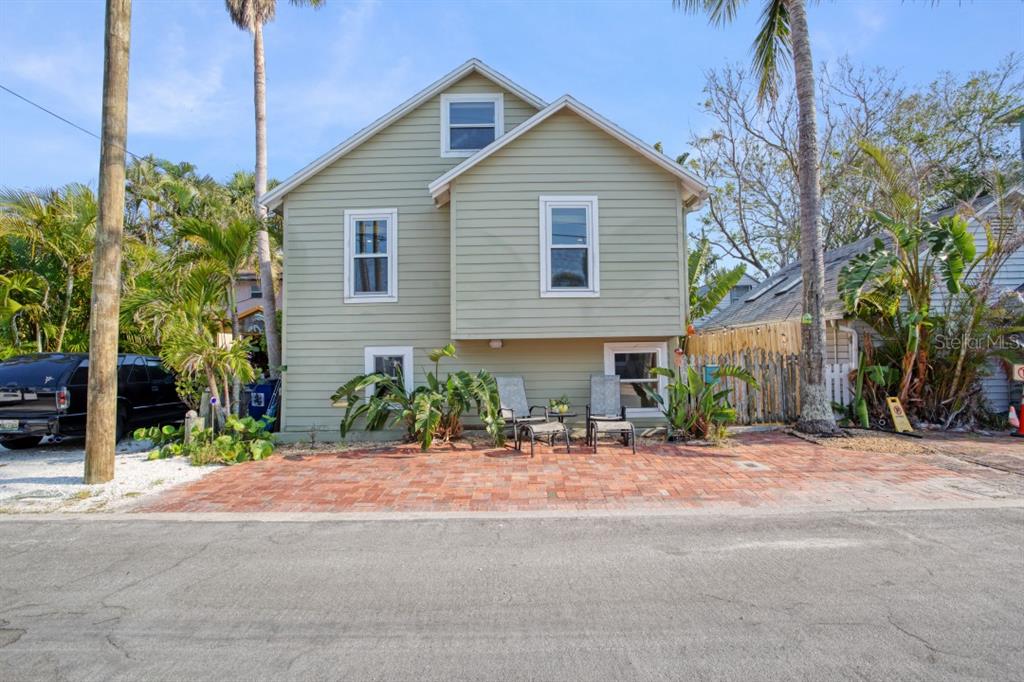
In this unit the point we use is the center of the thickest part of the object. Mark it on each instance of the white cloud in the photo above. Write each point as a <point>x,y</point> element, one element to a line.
<point>181,90</point>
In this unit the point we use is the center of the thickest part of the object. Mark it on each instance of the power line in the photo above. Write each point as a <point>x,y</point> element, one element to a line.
<point>61,118</point>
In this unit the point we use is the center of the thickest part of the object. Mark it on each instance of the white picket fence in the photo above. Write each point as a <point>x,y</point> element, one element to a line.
<point>837,382</point>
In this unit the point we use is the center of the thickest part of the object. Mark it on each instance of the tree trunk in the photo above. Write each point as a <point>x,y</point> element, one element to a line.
<point>236,333</point>
<point>101,419</point>
<point>69,289</point>
<point>217,407</point>
<point>263,237</point>
<point>815,407</point>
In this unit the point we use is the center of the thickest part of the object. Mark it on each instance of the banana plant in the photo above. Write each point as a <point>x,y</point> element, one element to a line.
<point>695,407</point>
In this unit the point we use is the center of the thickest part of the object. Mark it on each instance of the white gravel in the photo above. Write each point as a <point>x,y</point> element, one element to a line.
<point>49,478</point>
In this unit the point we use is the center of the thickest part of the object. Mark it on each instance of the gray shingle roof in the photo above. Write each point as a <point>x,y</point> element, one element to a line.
<point>780,296</point>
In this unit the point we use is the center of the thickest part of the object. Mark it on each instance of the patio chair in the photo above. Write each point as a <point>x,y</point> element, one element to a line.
<point>519,414</point>
<point>605,412</point>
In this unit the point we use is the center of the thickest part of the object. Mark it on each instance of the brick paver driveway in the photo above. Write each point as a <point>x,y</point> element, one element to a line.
<point>752,470</point>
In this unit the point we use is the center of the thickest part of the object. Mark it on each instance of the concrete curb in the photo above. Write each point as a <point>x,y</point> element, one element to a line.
<point>319,517</point>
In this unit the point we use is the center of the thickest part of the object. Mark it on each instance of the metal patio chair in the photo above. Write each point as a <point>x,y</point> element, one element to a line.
<point>519,415</point>
<point>605,412</point>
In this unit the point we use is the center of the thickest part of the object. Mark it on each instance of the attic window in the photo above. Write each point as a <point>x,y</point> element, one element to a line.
<point>470,122</point>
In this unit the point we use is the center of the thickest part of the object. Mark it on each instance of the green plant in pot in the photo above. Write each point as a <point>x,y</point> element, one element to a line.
<point>559,405</point>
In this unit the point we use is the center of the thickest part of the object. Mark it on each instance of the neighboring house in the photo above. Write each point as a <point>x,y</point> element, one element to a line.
<point>249,299</point>
<point>769,316</point>
<point>736,294</point>
<point>543,239</point>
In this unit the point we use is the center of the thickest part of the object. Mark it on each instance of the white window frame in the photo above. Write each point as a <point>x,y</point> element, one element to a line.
<point>497,98</point>
<point>593,256</point>
<point>351,216</point>
<point>372,352</point>
<point>661,351</point>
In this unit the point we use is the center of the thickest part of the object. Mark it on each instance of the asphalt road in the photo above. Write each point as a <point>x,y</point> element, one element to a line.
<point>925,595</point>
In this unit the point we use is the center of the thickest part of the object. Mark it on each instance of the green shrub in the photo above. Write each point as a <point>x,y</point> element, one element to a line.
<point>243,439</point>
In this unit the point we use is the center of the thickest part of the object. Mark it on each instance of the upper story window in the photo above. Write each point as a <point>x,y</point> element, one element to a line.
<point>255,291</point>
<point>371,256</point>
<point>569,254</point>
<point>470,122</point>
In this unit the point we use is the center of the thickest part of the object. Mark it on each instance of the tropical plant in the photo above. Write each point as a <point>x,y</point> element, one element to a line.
<point>783,39</point>
<point>56,229</point>
<point>696,408</point>
<point>251,15</point>
<point>707,285</point>
<point>891,285</point>
<point>244,439</point>
<point>227,248</point>
<point>429,412</point>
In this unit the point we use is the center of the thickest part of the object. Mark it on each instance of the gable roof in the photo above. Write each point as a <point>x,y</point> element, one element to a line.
<point>272,199</point>
<point>439,187</point>
<point>781,298</point>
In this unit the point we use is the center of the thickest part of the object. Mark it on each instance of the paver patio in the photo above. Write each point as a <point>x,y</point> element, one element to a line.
<point>752,470</point>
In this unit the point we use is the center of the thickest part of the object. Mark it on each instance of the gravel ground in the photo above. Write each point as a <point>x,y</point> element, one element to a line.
<point>49,478</point>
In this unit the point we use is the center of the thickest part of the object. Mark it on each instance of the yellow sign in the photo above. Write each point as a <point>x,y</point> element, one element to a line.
<point>899,417</point>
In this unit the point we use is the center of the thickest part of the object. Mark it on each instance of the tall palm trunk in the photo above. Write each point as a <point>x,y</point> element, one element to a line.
<point>101,419</point>
<point>263,237</point>
<point>236,333</point>
<point>69,289</point>
<point>815,407</point>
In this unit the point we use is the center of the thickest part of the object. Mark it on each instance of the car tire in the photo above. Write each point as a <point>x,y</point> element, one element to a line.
<point>23,443</point>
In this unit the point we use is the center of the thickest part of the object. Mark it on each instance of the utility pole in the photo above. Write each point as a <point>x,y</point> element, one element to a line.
<point>101,420</point>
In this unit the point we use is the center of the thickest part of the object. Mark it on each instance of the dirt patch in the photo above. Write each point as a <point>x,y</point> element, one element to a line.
<point>864,441</point>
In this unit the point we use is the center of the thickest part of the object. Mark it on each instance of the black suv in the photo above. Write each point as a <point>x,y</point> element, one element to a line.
<point>45,395</point>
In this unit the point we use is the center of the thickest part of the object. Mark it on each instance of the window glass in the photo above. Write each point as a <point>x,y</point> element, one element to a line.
<point>739,291</point>
<point>634,370</point>
<point>471,113</point>
<point>138,374</point>
<point>371,275</point>
<point>156,372</point>
<point>569,225</point>
<point>569,269</point>
<point>80,377</point>
<point>255,291</point>
<point>371,236</point>
<point>391,365</point>
<point>470,138</point>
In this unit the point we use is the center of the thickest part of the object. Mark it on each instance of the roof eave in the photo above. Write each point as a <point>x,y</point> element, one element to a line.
<point>697,189</point>
<point>273,199</point>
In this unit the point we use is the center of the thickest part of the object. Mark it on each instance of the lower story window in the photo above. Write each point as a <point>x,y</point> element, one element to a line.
<point>633,362</point>
<point>393,361</point>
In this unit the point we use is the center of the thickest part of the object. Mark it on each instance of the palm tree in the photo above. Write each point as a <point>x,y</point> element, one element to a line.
<point>228,250</point>
<point>251,15</point>
<point>782,40</point>
<point>59,224</point>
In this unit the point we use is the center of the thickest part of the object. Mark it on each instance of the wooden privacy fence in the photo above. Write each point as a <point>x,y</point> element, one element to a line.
<point>777,398</point>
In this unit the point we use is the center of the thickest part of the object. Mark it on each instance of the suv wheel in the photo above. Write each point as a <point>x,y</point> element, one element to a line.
<point>23,443</point>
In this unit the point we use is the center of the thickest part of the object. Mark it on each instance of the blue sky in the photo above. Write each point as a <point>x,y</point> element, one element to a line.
<point>332,71</point>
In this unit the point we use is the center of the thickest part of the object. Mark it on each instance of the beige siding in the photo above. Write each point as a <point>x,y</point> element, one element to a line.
<point>497,238</point>
<point>323,337</point>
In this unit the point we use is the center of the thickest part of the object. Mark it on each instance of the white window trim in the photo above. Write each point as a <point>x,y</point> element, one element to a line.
<point>499,119</point>
<point>661,349</point>
<point>371,352</point>
<point>594,255</point>
<point>351,216</point>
